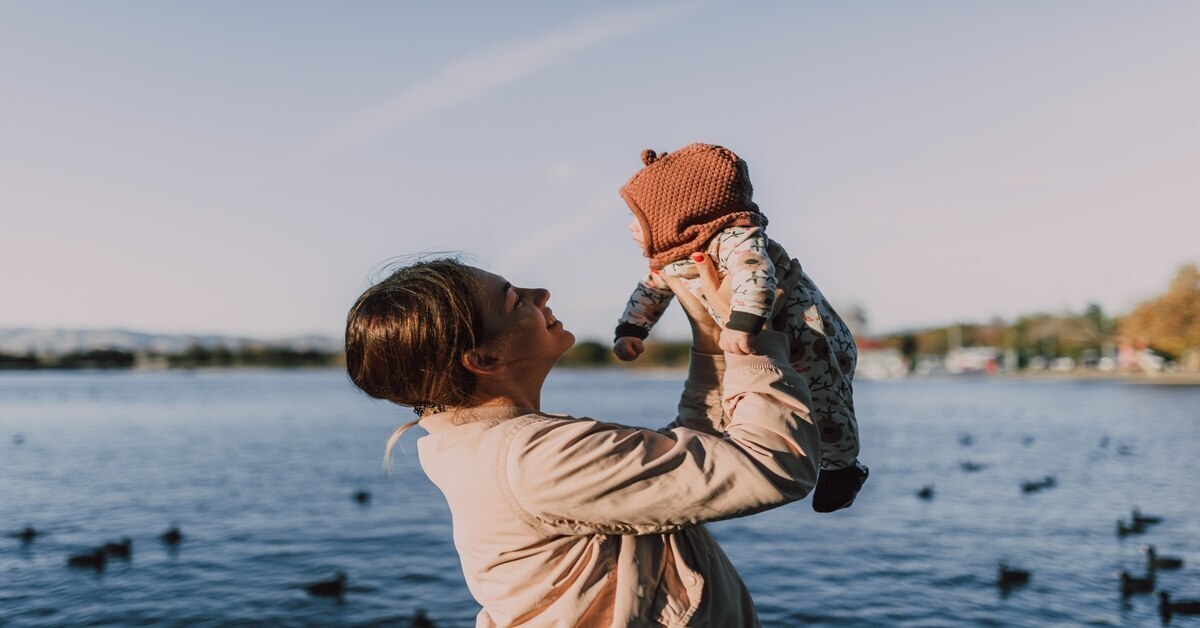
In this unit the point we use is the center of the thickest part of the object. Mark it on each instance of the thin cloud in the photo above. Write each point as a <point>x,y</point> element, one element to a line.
<point>533,246</point>
<point>475,75</point>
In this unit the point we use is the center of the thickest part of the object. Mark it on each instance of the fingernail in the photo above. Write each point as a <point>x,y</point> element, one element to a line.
<point>698,257</point>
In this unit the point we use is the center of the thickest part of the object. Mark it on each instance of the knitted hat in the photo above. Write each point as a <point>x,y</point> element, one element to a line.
<point>682,199</point>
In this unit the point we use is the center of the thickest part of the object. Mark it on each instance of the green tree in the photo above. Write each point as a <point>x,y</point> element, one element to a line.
<point>587,353</point>
<point>96,359</point>
<point>24,362</point>
<point>1095,315</point>
<point>908,347</point>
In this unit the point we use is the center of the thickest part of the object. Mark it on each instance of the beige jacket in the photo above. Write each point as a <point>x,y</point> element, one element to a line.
<point>562,521</point>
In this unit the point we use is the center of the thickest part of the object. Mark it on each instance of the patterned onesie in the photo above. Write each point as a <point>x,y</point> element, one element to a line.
<point>821,347</point>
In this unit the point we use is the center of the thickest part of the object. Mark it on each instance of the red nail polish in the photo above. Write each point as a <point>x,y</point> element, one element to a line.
<point>697,257</point>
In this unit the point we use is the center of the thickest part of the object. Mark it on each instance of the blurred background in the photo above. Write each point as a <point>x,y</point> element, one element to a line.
<point>1001,198</point>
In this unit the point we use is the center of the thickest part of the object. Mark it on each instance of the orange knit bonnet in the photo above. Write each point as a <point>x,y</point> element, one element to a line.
<point>683,199</point>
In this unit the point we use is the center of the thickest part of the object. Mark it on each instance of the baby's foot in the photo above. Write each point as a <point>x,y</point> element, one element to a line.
<point>837,488</point>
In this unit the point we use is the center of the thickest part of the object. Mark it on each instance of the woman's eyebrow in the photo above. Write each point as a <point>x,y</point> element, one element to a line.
<point>504,292</point>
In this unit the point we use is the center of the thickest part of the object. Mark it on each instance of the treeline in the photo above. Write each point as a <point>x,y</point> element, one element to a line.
<point>92,359</point>
<point>194,357</point>
<point>1085,337</point>
<point>258,356</point>
<point>659,354</point>
<point>1168,324</point>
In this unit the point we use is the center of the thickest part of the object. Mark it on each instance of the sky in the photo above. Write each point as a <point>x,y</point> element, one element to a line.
<point>251,167</point>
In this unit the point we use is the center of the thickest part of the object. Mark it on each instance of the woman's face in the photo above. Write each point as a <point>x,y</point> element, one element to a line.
<point>518,321</point>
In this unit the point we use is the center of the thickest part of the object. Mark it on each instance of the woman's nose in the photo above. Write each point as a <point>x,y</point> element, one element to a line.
<point>541,295</point>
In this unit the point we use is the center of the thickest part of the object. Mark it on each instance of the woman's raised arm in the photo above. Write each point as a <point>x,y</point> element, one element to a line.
<point>582,476</point>
<point>700,405</point>
<point>591,477</point>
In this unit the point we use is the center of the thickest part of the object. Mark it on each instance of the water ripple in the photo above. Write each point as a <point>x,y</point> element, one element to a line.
<point>259,470</point>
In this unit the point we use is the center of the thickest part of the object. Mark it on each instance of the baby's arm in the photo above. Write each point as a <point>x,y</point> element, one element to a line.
<point>646,305</point>
<point>743,252</point>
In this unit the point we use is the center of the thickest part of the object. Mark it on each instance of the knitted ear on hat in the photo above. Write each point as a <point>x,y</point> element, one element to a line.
<point>682,199</point>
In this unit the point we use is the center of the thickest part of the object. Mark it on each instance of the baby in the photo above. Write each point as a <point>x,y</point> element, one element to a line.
<point>698,200</point>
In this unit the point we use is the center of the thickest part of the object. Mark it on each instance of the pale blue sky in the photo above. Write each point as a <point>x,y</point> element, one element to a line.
<point>243,167</point>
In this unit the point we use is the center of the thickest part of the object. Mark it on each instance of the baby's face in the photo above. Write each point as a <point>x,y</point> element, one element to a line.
<point>635,230</point>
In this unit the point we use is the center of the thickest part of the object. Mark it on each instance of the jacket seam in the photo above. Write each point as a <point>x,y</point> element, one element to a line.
<point>537,522</point>
<point>577,526</point>
<point>531,520</point>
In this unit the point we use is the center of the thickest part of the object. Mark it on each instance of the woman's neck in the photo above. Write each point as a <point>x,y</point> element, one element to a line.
<point>514,388</point>
<point>491,408</point>
<point>531,402</point>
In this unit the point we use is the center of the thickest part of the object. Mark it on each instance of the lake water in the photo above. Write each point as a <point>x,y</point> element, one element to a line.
<point>259,468</point>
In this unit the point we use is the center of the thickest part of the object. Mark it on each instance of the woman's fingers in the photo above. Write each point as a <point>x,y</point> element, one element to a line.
<point>691,305</point>
<point>709,278</point>
<point>705,331</point>
<point>716,293</point>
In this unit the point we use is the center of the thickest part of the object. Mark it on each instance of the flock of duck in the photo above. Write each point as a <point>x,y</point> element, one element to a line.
<point>97,558</point>
<point>1132,585</point>
<point>1010,577</point>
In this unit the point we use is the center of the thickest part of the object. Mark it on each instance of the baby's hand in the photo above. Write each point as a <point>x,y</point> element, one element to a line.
<point>737,342</point>
<point>628,348</point>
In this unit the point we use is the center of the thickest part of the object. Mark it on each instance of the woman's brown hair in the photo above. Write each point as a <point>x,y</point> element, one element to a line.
<point>406,335</point>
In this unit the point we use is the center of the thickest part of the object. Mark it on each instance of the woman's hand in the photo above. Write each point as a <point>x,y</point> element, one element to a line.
<point>706,333</point>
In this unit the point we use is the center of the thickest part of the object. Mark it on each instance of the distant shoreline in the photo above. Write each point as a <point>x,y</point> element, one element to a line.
<point>1137,379</point>
<point>1156,379</point>
<point>1165,379</point>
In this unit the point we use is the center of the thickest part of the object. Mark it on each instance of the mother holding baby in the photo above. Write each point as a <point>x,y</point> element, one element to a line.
<point>569,521</point>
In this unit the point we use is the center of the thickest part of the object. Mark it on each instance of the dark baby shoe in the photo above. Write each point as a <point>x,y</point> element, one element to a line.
<point>837,488</point>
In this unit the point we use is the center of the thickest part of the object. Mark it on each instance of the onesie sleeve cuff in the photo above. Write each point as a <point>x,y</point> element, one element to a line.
<point>630,330</point>
<point>747,322</point>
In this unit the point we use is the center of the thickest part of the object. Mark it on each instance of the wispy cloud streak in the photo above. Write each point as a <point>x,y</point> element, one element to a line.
<point>475,75</point>
<point>554,236</point>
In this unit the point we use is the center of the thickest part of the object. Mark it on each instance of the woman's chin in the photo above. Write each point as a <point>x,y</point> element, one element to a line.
<point>567,337</point>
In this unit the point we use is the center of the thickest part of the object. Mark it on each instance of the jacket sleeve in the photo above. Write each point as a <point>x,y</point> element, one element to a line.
<point>645,306</point>
<point>582,476</point>
<point>700,406</point>
<point>743,251</point>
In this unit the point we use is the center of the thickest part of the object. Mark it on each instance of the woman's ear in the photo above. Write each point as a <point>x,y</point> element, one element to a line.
<point>481,363</point>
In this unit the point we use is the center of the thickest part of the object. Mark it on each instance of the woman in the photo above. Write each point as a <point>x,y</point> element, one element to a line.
<point>571,521</point>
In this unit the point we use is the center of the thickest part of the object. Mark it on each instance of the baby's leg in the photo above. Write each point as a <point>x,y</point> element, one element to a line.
<point>823,351</point>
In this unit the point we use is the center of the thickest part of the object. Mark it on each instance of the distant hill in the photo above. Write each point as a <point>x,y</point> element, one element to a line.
<point>22,340</point>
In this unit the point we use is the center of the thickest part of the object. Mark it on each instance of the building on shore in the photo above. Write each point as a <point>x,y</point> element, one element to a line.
<point>967,360</point>
<point>878,361</point>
